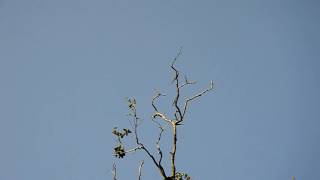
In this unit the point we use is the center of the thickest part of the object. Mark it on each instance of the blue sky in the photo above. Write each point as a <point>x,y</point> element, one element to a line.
<point>67,65</point>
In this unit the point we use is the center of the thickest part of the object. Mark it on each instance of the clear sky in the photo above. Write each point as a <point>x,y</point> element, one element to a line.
<point>67,65</point>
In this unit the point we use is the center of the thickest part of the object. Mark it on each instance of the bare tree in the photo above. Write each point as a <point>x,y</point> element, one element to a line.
<point>159,118</point>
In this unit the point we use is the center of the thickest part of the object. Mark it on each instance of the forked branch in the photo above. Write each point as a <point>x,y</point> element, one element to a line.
<point>179,113</point>
<point>193,98</point>
<point>132,107</point>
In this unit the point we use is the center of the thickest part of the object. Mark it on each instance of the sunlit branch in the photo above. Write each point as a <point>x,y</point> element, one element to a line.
<point>162,116</point>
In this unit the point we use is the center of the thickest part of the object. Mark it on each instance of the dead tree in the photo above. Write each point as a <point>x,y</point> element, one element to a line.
<point>159,118</point>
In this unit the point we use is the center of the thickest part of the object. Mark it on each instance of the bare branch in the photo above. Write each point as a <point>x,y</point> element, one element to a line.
<point>157,113</point>
<point>194,97</point>
<point>180,110</point>
<point>176,79</point>
<point>141,145</point>
<point>159,166</point>
<point>158,144</point>
<point>140,170</point>
<point>187,82</point>
<point>154,99</point>
<point>179,115</point>
<point>174,149</point>
<point>133,149</point>
<point>162,116</point>
<point>174,61</point>
<point>114,171</point>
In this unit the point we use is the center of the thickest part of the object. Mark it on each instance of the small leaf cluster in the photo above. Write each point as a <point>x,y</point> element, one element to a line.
<point>121,134</point>
<point>182,176</point>
<point>119,151</point>
<point>131,103</point>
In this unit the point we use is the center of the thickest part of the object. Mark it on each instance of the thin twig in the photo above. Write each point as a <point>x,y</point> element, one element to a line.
<point>155,98</point>
<point>114,171</point>
<point>174,61</point>
<point>157,113</point>
<point>176,79</point>
<point>194,97</point>
<point>140,170</point>
<point>158,144</point>
<point>133,149</point>
<point>187,82</point>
